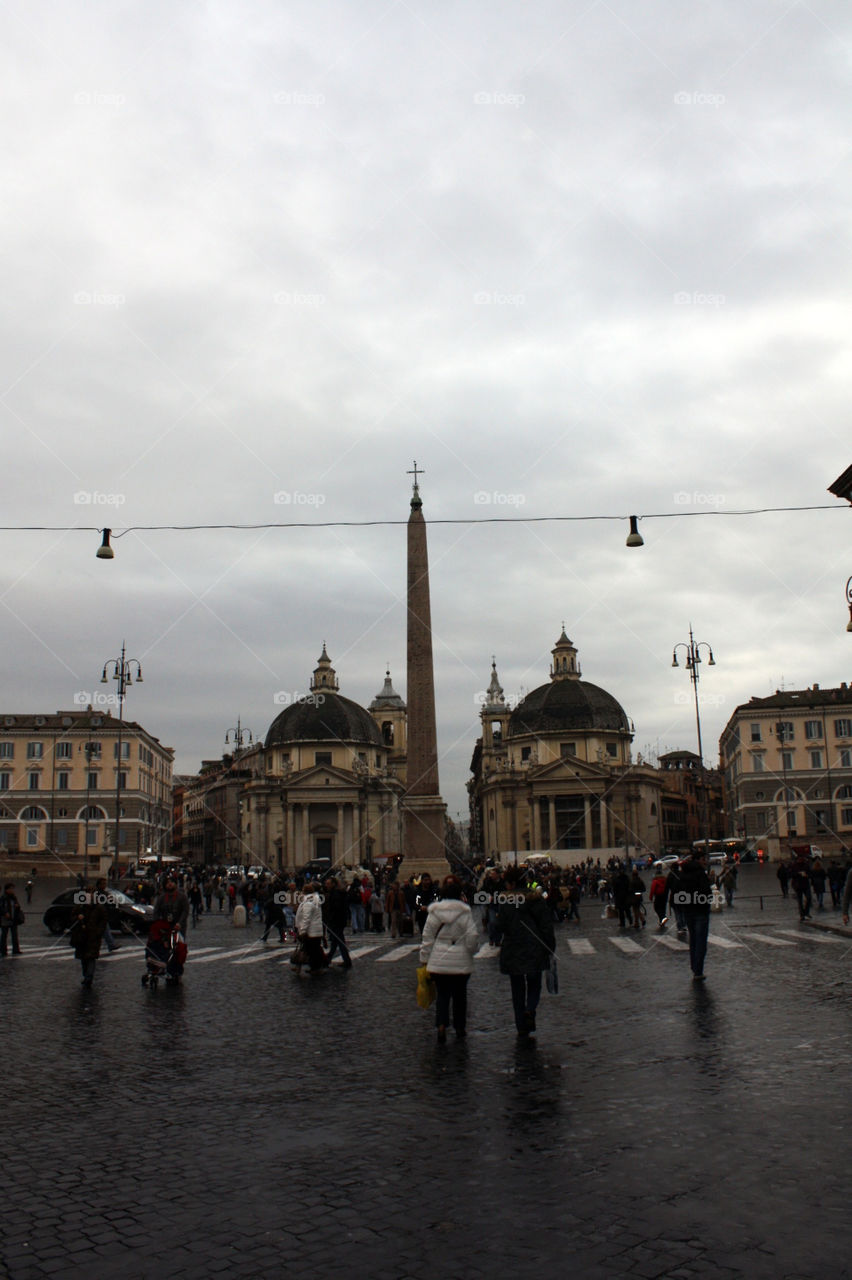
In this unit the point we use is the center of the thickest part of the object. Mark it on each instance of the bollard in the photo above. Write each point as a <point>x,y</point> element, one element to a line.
<point>239,917</point>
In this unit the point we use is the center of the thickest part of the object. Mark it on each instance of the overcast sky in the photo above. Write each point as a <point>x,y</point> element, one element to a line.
<point>577,259</point>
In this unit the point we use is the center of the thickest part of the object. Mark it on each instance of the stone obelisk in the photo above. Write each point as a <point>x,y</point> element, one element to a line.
<point>425,811</point>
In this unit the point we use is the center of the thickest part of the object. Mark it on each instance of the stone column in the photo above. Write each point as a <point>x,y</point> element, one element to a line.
<point>551,822</point>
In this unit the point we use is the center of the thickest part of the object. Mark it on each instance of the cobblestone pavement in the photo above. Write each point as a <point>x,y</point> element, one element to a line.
<point>252,1123</point>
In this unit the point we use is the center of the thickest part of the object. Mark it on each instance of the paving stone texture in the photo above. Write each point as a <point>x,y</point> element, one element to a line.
<point>252,1123</point>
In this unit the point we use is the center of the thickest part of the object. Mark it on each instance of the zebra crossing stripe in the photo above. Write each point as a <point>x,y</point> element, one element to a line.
<point>768,939</point>
<point>221,954</point>
<point>581,946</point>
<point>810,935</point>
<point>627,945</point>
<point>262,955</point>
<point>725,943</point>
<point>363,951</point>
<point>673,944</point>
<point>399,952</point>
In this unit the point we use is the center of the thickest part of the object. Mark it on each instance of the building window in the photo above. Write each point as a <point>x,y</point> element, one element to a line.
<point>93,750</point>
<point>322,757</point>
<point>567,749</point>
<point>813,729</point>
<point>846,759</point>
<point>784,730</point>
<point>32,837</point>
<point>125,751</point>
<point>786,759</point>
<point>35,750</point>
<point>387,733</point>
<point>33,781</point>
<point>756,735</point>
<point>844,793</point>
<point>62,781</point>
<point>526,752</point>
<point>612,750</point>
<point>64,750</point>
<point>758,818</point>
<point>758,795</point>
<point>757,763</point>
<point>121,781</point>
<point>62,836</point>
<point>92,835</point>
<point>816,759</point>
<point>7,750</point>
<point>5,779</point>
<point>92,782</point>
<point>843,728</point>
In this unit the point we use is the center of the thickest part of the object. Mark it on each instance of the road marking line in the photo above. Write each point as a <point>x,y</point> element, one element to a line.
<point>627,945</point>
<point>673,944</point>
<point>725,943</point>
<point>264,955</point>
<point>399,952</point>
<point>581,946</point>
<point>219,955</point>
<point>362,951</point>
<point>808,935</point>
<point>768,939</point>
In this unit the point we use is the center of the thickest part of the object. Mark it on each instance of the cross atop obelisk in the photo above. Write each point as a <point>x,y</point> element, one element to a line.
<point>425,811</point>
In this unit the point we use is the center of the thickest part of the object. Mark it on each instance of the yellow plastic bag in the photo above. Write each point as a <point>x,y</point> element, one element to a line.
<point>425,987</point>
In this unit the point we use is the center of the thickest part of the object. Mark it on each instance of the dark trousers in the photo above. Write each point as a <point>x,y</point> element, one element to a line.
<point>5,930</point>
<point>313,946</point>
<point>526,993</point>
<point>803,897</point>
<point>699,927</point>
<point>337,943</point>
<point>88,967</point>
<point>451,988</point>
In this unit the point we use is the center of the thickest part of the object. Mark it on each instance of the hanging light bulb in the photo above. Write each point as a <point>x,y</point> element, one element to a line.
<point>634,537</point>
<point>105,551</point>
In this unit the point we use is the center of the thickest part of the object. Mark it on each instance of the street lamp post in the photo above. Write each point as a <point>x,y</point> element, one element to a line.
<point>783,736</point>
<point>122,671</point>
<point>89,750</point>
<point>693,660</point>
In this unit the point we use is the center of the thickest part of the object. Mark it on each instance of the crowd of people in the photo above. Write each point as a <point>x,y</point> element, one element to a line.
<point>516,908</point>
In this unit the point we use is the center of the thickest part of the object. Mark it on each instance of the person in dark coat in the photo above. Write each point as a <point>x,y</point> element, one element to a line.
<point>335,915</point>
<point>622,897</point>
<point>694,895</point>
<point>11,916</point>
<point>525,925</point>
<point>87,931</point>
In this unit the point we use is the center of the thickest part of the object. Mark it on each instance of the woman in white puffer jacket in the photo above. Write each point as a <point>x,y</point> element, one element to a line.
<point>450,941</point>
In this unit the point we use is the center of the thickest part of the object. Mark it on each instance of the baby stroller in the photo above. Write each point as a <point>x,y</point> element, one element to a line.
<point>165,954</point>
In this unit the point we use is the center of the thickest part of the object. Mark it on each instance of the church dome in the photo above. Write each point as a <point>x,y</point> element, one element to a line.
<point>324,715</point>
<point>568,704</point>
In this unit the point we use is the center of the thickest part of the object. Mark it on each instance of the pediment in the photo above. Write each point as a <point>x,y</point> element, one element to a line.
<point>571,767</point>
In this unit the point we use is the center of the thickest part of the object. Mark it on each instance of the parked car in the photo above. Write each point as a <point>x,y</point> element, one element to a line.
<point>123,913</point>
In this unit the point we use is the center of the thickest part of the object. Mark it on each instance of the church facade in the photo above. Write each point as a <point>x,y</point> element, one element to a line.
<point>555,773</point>
<point>328,780</point>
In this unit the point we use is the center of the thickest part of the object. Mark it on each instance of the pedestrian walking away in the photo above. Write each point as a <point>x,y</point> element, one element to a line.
<point>525,925</point>
<point>309,927</point>
<point>695,895</point>
<point>87,932</point>
<point>450,941</point>
<point>11,918</point>
<point>658,893</point>
<point>335,914</point>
